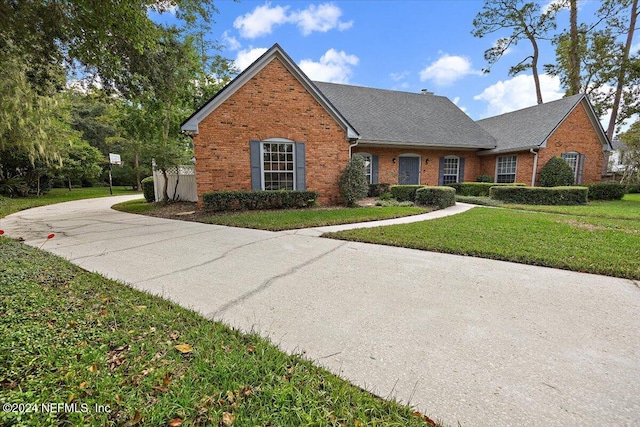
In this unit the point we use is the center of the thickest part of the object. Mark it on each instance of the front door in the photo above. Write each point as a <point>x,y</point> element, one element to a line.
<point>409,171</point>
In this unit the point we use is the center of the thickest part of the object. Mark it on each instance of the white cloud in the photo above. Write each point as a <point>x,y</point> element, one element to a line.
<point>230,42</point>
<point>262,19</point>
<point>518,92</point>
<point>246,57</point>
<point>456,100</point>
<point>396,77</point>
<point>333,67</point>
<point>320,18</point>
<point>561,4</point>
<point>447,69</point>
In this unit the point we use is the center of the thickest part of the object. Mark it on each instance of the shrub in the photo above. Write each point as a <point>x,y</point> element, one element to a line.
<point>404,193</point>
<point>606,191</point>
<point>147,189</point>
<point>484,178</point>
<point>252,200</point>
<point>556,173</point>
<point>540,195</point>
<point>385,196</point>
<point>477,189</point>
<point>376,190</point>
<point>633,188</point>
<point>353,181</point>
<point>394,203</point>
<point>441,197</point>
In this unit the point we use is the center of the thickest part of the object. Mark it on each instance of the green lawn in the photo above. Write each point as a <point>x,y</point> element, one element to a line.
<point>57,195</point>
<point>627,208</point>
<point>604,239</point>
<point>138,206</point>
<point>305,218</point>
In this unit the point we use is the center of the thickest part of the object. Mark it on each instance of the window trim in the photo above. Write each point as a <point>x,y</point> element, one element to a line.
<point>457,174</point>
<point>515,172</point>
<point>577,163</point>
<point>370,174</point>
<point>293,153</point>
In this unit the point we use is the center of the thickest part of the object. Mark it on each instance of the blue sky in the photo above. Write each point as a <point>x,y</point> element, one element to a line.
<point>401,45</point>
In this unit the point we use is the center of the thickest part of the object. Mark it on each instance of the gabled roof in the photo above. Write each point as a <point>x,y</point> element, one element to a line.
<point>404,118</point>
<point>190,125</point>
<point>530,128</point>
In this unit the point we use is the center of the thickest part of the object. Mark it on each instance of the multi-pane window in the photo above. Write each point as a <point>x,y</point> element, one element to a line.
<point>572,160</point>
<point>450,170</point>
<point>367,165</point>
<point>506,169</point>
<point>278,166</point>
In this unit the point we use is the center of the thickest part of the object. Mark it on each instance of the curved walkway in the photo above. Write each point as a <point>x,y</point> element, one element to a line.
<point>464,339</point>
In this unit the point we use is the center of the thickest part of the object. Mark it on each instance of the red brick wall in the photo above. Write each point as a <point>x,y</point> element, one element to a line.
<point>574,134</point>
<point>388,171</point>
<point>273,104</point>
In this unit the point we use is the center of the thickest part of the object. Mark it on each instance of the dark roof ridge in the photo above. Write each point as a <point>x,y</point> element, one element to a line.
<point>578,97</point>
<point>379,89</point>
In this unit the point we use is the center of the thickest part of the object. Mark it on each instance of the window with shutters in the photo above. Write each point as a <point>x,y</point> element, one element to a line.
<point>278,166</point>
<point>451,169</point>
<point>572,160</point>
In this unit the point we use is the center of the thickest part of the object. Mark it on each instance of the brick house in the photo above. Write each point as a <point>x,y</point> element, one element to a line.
<point>272,128</point>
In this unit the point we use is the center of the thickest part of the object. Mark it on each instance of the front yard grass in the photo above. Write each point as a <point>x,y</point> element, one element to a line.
<point>273,220</point>
<point>72,337</point>
<point>593,242</point>
<point>306,218</point>
<point>627,208</point>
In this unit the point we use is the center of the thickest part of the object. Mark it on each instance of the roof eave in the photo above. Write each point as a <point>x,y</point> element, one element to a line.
<point>423,145</point>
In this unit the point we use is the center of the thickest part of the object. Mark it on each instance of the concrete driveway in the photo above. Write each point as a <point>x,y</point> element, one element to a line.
<point>463,339</point>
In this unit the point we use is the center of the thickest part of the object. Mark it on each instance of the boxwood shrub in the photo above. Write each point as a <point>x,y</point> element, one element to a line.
<point>606,191</point>
<point>477,189</point>
<point>633,188</point>
<point>441,197</point>
<point>375,190</point>
<point>540,195</point>
<point>250,200</point>
<point>148,191</point>
<point>404,193</point>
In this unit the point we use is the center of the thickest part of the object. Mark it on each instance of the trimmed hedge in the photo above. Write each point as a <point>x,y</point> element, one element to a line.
<point>442,197</point>
<point>633,188</point>
<point>606,191</point>
<point>477,189</point>
<point>540,195</point>
<point>404,193</point>
<point>148,191</point>
<point>251,200</point>
<point>375,190</point>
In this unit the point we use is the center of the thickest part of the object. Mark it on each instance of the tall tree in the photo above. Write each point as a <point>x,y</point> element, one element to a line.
<point>608,71</point>
<point>574,58</point>
<point>526,21</point>
<point>622,73</point>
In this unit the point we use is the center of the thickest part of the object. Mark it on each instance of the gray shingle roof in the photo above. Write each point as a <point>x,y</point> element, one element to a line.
<point>530,127</point>
<point>388,116</point>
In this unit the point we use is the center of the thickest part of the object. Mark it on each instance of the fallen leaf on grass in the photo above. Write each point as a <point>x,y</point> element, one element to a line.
<point>228,419</point>
<point>93,368</point>
<point>176,422</point>
<point>184,348</point>
<point>137,419</point>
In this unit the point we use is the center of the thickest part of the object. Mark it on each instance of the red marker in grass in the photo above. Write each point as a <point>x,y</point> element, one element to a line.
<point>49,237</point>
<point>1,232</point>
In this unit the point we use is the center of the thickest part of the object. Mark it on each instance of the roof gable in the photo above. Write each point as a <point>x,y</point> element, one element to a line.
<point>190,125</point>
<point>531,127</point>
<point>402,118</point>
